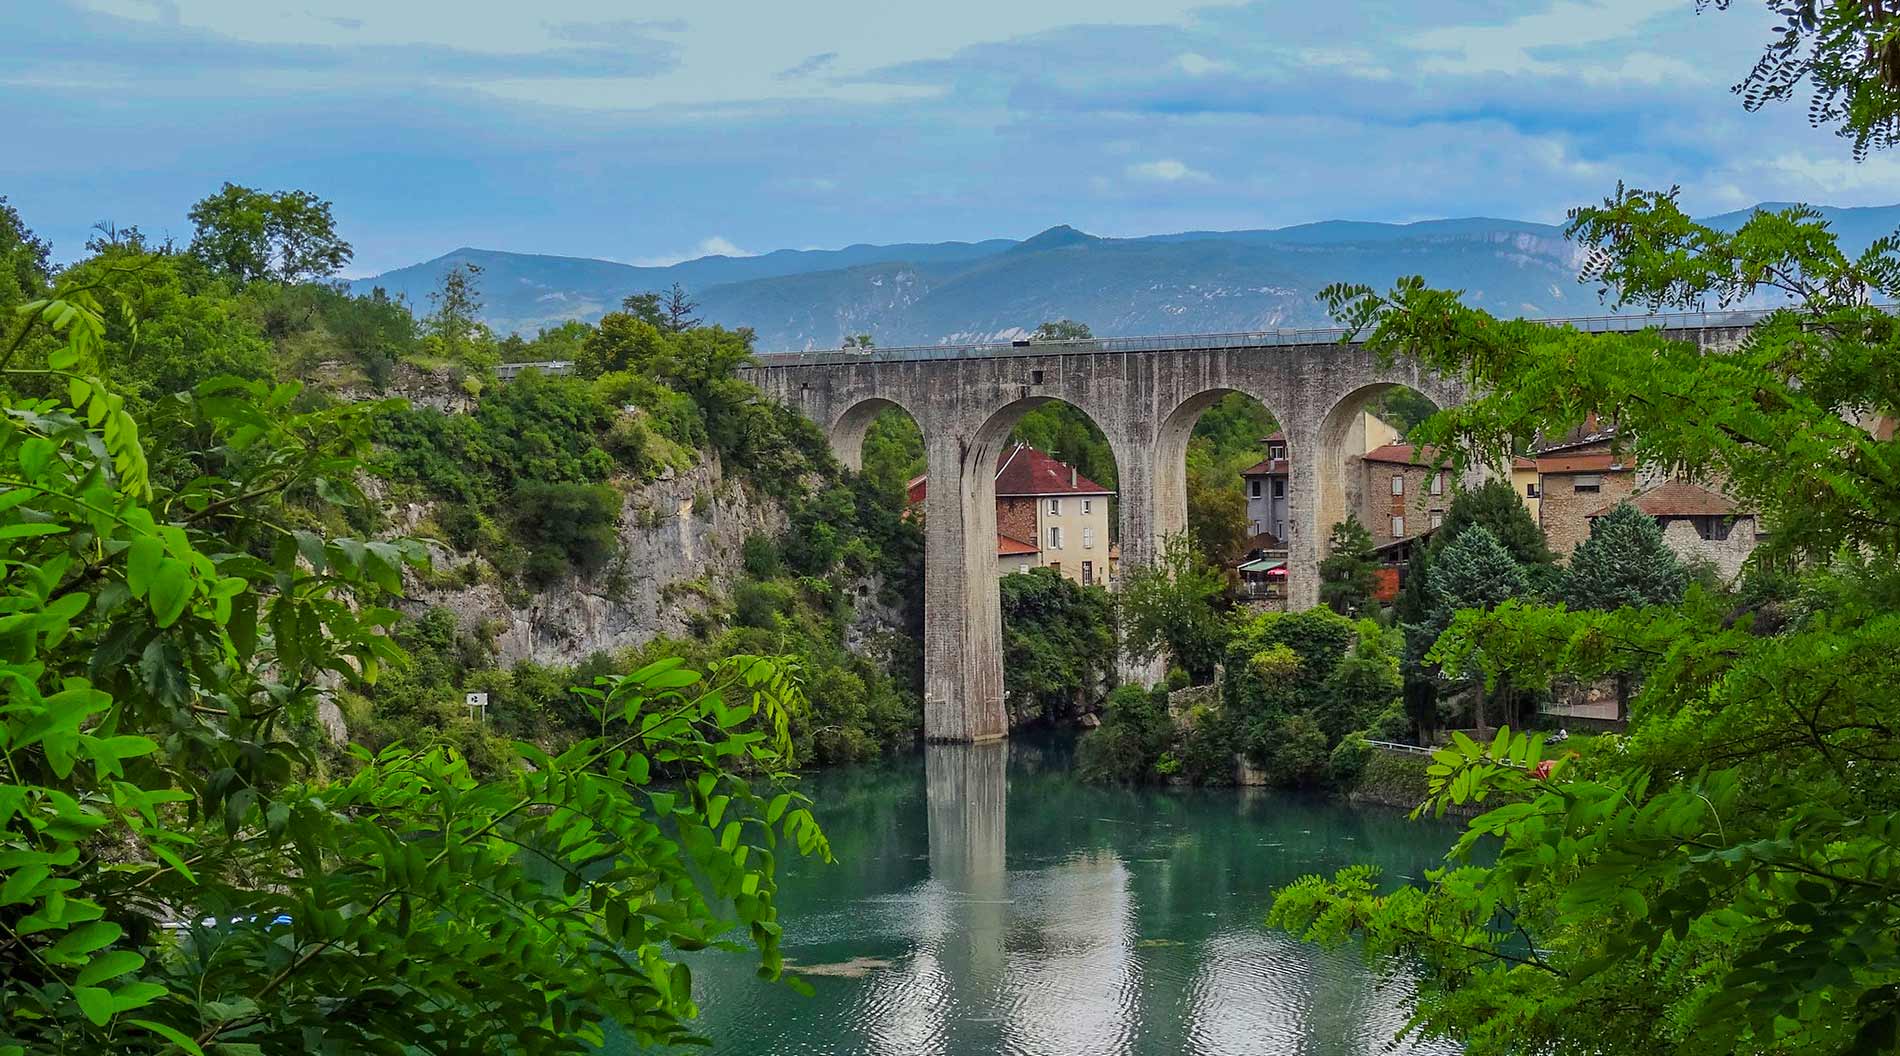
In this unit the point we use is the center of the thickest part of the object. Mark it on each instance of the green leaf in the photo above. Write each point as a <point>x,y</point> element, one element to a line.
<point>171,591</point>
<point>176,1037</point>
<point>22,529</point>
<point>87,938</point>
<point>110,965</point>
<point>95,1002</point>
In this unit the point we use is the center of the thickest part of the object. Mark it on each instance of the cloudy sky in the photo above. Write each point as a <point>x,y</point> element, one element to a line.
<point>642,133</point>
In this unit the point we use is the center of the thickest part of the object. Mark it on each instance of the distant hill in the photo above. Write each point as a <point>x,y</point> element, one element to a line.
<point>962,291</point>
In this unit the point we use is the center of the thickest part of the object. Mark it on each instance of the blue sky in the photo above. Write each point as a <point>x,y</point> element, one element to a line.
<point>643,133</point>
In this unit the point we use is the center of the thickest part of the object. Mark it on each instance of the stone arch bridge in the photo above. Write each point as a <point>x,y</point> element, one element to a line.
<point>1145,394</point>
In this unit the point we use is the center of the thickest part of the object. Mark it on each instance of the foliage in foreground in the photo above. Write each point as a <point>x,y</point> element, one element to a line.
<point>1727,882</point>
<point>174,874</point>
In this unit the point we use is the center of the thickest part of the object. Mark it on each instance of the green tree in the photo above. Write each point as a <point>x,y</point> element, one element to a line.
<point>1347,579</point>
<point>454,325</point>
<point>1848,53</point>
<point>677,310</point>
<point>1171,607</point>
<point>1062,330</point>
<point>1474,572</point>
<point>23,268</point>
<point>1623,562</point>
<point>165,648</point>
<point>1058,645</point>
<point>1216,508</point>
<point>1494,506</point>
<point>248,235</point>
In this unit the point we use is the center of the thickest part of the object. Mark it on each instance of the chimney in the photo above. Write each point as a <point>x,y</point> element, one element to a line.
<point>1071,476</point>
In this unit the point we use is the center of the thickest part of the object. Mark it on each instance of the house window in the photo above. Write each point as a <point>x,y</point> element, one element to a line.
<point>1714,529</point>
<point>1055,538</point>
<point>1438,518</point>
<point>1279,489</point>
<point>1253,527</point>
<point>1055,507</point>
<point>1587,482</point>
<point>1398,527</point>
<point>1088,573</point>
<point>1398,483</point>
<point>1438,483</point>
<point>1530,490</point>
<point>1253,488</point>
<point>1276,451</point>
<point>1035,377</point>
<point>1088,540</point>
<point>1088,505</point>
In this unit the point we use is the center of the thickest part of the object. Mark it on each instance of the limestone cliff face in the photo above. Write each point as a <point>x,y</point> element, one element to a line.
<point>681,541</point>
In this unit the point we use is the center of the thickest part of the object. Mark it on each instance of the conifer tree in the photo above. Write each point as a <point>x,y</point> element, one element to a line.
<point>1624,562</point>
<point>1346,580</point>
<point>1474,572</point>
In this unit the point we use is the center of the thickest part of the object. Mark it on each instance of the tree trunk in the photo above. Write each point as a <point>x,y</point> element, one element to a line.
<point>1622,697</point>
<point>1478,712</point>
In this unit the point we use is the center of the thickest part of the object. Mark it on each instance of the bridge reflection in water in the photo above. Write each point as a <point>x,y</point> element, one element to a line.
<point>987,902</point>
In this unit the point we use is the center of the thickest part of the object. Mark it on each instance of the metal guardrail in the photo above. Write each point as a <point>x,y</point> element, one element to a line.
<point>1209,342</point>
<point>509,371</point>
<point>1394,746</point>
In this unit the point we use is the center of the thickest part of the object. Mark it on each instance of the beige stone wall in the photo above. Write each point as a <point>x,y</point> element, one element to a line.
<point>1378,505</point>
<point>1007,563</point>
<point>1565,512</point>
<point>1728,555</point>
<point>1084,535</point>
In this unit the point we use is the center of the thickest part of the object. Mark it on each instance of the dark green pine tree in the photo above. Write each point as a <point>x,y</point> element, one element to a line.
<point>1495,505</point>
<point>1624,562</point>
<point>1474,571</point>
<point>1346,579</point>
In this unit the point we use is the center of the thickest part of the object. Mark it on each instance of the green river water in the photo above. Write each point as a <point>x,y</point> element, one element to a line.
<point>985,901</point>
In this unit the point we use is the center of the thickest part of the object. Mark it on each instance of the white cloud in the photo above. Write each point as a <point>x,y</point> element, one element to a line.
<point>1354,61</point>
<point>1833,175</point>
<point>1507,47</point>
<point>1166,170</point>
<point>1196,64</point>
<point>716,246</point>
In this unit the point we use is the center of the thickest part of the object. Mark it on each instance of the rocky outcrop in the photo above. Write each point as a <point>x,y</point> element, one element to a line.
<point>680,546</point>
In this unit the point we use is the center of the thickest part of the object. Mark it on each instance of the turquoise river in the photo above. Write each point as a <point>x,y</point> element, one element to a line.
<point>985,901</point>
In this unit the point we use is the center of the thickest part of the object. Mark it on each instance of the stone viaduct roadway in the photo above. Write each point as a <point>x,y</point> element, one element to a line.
<point>1145,394</point>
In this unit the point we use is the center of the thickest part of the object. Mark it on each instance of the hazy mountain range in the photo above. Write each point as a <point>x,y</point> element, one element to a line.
<point>1202,281</point>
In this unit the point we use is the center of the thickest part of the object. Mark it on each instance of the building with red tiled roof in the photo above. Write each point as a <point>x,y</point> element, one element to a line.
<point>1698,523</point>
<point>1050,502</point>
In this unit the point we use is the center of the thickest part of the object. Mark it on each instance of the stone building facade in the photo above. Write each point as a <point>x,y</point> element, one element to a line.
<point>1048,514</point>
<point>1402,494</point>
<point>1575,480</point>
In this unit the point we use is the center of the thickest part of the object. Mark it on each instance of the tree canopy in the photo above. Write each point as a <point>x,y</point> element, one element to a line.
<point>246,234</point>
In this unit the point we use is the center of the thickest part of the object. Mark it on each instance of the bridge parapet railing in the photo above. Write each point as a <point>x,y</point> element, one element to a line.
<point>1213,342</point>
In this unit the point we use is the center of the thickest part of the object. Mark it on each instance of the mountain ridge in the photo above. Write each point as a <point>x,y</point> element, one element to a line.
<point>927,293</point>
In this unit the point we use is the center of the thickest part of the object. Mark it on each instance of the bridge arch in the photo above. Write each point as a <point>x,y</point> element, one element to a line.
<point>1171,449</point>
<point>1337,492</point>
<point>846,432</point>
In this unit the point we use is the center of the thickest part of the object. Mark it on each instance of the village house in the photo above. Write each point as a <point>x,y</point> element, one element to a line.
<point>1699,523</point>
<point>1048,514</point>
<point>1577,476</point>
